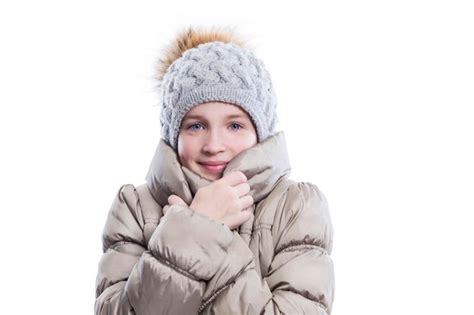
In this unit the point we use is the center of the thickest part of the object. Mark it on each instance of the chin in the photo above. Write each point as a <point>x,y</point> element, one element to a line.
<point>209,176</point>
<point>212,177</point>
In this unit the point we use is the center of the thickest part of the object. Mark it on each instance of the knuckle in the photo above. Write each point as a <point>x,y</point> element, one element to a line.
<point>242,176</point>
<point>247,187</point>
<point>251,201</point>
<point>239,175</point>
<point>235,204</point>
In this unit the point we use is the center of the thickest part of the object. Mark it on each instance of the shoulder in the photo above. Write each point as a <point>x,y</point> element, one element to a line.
<point>138,200</point>
<point>125,218</point>
<point>303,214</point>
<point>306,196</point>
<point>293,196</point>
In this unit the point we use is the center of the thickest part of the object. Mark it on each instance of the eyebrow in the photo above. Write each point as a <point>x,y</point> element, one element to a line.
<point>227,117</point>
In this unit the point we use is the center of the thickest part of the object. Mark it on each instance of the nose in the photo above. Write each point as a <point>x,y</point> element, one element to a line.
<point>213,143</point>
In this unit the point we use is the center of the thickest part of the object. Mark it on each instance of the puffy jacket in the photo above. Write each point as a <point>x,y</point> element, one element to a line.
<point>185,263</point>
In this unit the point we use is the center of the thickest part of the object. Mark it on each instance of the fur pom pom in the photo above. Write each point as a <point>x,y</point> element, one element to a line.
<point>191,37</point>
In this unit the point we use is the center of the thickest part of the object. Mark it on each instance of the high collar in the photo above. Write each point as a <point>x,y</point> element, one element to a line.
<point>263,165</point>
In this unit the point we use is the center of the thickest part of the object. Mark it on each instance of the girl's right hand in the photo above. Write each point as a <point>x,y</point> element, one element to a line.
<point>225,199</point>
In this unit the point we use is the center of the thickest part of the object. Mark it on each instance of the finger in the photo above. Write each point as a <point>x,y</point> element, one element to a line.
<point>236,219</point>
<point>242,189</point>
<point>175,200</point>
<point>165,209</point>
<point>246,201</point>
<point>234,178</point>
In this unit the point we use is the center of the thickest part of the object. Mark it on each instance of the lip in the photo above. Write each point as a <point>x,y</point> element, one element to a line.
<point>214,166</point>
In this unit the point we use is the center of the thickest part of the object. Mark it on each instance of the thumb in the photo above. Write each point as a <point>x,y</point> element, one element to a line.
<point>175,200</point>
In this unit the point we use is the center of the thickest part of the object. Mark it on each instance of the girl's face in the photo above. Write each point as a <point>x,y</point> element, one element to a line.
<point>211,135</point>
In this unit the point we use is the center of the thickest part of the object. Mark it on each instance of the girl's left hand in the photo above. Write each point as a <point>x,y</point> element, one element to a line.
<point>173,200</point>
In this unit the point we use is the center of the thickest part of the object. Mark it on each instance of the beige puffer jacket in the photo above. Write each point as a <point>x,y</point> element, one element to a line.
<point>186,263</point>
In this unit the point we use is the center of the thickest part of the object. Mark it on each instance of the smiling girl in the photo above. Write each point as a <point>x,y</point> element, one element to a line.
<point>218,227</point>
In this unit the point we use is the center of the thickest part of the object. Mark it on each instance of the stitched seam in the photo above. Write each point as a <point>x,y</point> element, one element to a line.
<point>306,241</point>
<point>120,243</point>
<point>263,226</point>
<point>303,246</point>
<point>117,244</point>
<point>321,306</point>
<point>168,263</point>
<point>218,291</point>
<point>151,220</point>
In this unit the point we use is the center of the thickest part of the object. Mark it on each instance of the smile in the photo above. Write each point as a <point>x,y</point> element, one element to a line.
<point>214,168</point>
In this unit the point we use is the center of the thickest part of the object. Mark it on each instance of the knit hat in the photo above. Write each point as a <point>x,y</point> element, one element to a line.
<point>217,71</point>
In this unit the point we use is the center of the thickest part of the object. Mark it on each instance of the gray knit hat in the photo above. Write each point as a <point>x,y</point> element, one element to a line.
<point>217,71</point>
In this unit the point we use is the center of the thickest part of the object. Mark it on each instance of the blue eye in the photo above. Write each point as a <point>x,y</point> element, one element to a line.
<point>235,126</point>
<point>192,127</point>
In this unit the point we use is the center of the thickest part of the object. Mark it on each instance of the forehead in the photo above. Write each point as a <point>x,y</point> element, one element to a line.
<point>215,110</point>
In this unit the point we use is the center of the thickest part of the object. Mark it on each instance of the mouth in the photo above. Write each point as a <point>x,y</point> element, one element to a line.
<point>213,167</point>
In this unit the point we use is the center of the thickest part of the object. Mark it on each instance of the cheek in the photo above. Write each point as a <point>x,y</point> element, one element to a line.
<point>245,142</point>
<point>186,152</point>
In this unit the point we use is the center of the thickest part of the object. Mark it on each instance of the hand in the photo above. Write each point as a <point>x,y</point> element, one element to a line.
<point>173,200</point>
<point>223,200</point>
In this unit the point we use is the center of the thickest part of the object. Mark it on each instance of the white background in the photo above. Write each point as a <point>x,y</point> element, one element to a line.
<point>375,98</point>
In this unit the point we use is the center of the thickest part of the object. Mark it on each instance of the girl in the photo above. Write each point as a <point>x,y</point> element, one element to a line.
<point>218,227</point>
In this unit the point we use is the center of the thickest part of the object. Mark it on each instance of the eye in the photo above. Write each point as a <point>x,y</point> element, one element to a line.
<point>235,126</point>
<point>194,127</point>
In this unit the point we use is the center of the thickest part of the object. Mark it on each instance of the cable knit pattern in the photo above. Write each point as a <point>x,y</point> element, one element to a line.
<point>217,71</point>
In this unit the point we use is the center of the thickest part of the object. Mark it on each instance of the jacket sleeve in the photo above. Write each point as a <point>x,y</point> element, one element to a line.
<point>300,279</point>
<point>155,278</point>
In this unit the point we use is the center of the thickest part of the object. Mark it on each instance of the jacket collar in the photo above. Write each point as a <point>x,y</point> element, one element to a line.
<point>263,164</point>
